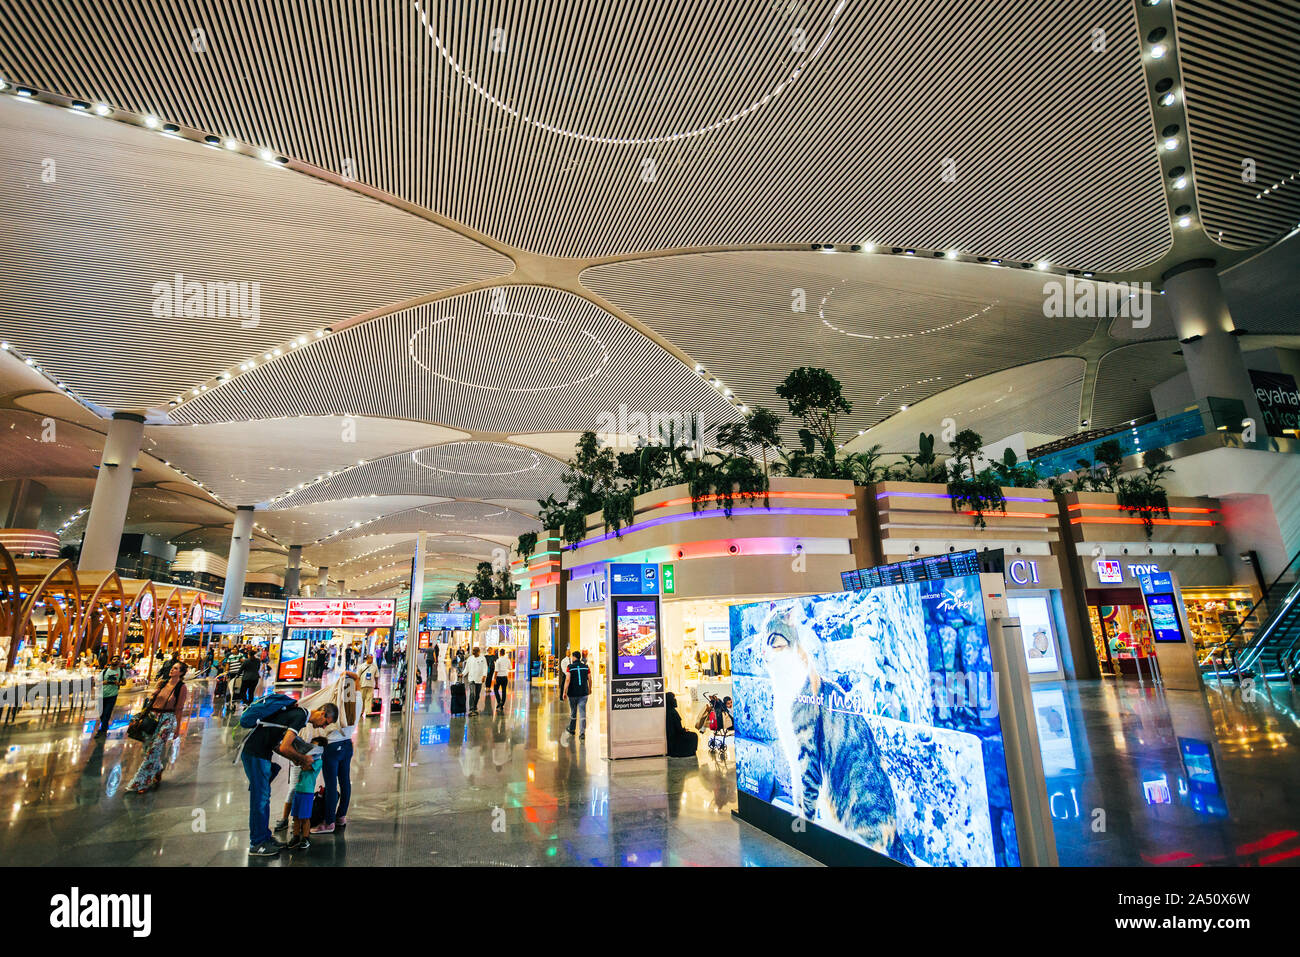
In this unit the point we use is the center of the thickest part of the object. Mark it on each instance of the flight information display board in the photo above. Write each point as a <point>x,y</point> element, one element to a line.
<point>930,568</point>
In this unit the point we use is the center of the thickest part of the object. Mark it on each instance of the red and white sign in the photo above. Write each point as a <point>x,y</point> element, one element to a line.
<point>146,606</point>
<point>1109,572</point>
<point>340,613</point>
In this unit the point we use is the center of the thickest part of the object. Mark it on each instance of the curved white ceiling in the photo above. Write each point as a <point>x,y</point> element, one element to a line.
<point>1040,397</point>
<point>472,469</point>
<point>248,463</point>
<point>893,329</point>
<point>507,359</point>
<point>85,260</point>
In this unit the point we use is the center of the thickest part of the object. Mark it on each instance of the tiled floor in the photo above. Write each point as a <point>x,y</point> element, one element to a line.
<point>514,789</point>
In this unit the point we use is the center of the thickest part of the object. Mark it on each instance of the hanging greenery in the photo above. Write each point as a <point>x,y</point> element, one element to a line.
<point>1144,493</point>
<point>526,545</point>
<point>971,489</point>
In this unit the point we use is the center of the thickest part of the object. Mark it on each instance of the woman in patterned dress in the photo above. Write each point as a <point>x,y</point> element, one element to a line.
<point>167,704</point>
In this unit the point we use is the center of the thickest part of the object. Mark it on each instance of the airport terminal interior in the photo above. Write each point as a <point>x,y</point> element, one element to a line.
<point>602,433</point>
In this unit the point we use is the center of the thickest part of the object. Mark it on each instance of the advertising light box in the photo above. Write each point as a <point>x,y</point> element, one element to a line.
<point>873,715</point>
<point>340,613</point>
<point>637,628</point>
<point>293,654</point>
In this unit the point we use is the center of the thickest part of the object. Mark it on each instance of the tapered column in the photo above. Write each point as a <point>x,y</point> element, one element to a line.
<point>112,493</point>
<point>293,572</point>
<point>1213,356</point>
<point>322,581</point>
<point>232,599</point>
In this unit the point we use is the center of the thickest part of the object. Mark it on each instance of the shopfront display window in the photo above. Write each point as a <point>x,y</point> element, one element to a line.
<point>1121,635</point>
<point>1214,613</point>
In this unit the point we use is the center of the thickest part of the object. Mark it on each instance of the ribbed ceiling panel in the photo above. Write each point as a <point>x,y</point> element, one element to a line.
<point>1241,72</point>
<point>595,127</point>
<point>893,329</point>
<point>1041,397</point>
<point>80,257</point>
<point>452,518</point>
<point>479,470</point>
<point>1126,377</point>
<point>249,462</point>
<point>513,359</point>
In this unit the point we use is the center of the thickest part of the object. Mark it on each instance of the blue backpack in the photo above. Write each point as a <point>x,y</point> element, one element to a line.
<point>264,707</point>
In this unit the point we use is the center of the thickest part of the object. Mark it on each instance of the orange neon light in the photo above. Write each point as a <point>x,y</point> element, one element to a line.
<point>839,496</point>
<point>1173,508</point>
<point>543,580</point>
<point>1138,521</point>
<point>546,564</point>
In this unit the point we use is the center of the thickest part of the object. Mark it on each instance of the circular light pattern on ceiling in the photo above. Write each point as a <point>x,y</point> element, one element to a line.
<point>788,41</point>
<point>821,314</point>
<point>527,459</point>
<point>531,353</point>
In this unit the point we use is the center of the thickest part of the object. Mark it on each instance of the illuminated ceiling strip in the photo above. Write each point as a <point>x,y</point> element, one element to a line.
<point>1138,521</point>
<point>718,124</point>
<point>1172,508</point>
<point>713,498</point>
<point>712,513</point>
<point>997,514</point>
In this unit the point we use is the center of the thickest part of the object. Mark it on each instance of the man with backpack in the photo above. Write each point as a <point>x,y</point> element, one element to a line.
<point>576,688</point>
<point>275,720</point>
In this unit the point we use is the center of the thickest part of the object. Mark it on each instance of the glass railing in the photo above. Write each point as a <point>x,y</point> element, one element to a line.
<point>1133,440</point>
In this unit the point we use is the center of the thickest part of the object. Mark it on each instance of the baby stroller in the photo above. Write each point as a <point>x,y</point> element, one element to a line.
<point>720,724</point>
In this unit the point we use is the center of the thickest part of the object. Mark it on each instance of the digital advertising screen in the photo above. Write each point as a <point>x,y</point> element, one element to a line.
<point>873,715</point>
<point>636,624</point>
<point>340,612</point>
<point>293,653</point>
<point>1037,633</point>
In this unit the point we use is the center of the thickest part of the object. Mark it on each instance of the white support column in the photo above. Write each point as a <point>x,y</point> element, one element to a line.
<point>232,599</point>
<point>1214,362</point>
<point>322,582</point>
<point>112,493</point>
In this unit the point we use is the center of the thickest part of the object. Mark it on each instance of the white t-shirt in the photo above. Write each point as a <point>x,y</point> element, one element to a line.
<point>367,676</point>
<point>476,669</point>
<point>502,666</point>
<point>564,665</point>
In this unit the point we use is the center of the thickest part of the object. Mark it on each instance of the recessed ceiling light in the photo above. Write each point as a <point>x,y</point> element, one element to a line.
<point>1185,221</point>
<point>1158,50</point>
<point>24,92</point>
<point>952,254</point>
<point>266,155</point>
<point>231,144</point>
<point>1171,143</point>
<point>1042,264</point>
<point>1167,99</point>
<point>1180,182</point>
<point>868,247</point>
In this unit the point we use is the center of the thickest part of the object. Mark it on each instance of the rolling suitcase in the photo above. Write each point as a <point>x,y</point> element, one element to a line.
<point>376,706</point>
<point>458,698</point>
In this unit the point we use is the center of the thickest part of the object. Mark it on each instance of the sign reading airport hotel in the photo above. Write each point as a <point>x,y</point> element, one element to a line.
<point>340,613</point>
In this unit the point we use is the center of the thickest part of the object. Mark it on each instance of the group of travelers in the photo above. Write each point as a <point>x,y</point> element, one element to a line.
<point>478,672</point>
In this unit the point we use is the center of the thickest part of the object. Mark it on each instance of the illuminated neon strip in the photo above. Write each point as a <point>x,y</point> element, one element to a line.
<point>1138,521</point>
<point>839,496</point>
<point>543,580</point>
<point>1009,498</point>
<point>711,513</point>
<point>1172,508</point>
<point>997,514</point>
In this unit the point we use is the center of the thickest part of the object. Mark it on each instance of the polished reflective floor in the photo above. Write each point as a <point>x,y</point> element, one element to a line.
<point>1135,776</point>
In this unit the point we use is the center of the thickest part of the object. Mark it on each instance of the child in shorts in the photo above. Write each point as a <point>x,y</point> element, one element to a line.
<point>303,796</point>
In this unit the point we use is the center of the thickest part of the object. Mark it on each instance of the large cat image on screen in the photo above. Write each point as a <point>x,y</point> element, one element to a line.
<point>834,761</point>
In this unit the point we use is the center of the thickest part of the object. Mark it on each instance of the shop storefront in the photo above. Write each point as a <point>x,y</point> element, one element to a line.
<point>1214,613</point>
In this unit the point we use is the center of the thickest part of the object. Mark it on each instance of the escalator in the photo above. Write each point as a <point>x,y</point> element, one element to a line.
<point>1266,643</point>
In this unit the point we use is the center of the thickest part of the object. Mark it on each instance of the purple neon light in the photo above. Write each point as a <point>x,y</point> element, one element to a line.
<point>711,513</point>
<point>880,495</point>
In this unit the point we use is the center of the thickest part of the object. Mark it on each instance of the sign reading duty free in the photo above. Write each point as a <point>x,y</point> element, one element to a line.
<point>340,612</point>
